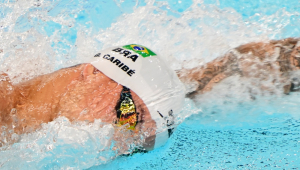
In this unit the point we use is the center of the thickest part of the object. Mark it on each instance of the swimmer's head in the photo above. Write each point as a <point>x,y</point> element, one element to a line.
<point>150,77</point>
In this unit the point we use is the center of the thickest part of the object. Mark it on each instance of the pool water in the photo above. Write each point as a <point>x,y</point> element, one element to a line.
<point>224,129</point>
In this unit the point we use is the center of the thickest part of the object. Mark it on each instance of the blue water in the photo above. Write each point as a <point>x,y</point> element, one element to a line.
<point>196,146</point>
<point>222,133</point>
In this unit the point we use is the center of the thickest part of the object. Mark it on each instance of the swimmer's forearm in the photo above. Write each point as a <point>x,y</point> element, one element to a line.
<point>283,53</point>
<point>201,79</point>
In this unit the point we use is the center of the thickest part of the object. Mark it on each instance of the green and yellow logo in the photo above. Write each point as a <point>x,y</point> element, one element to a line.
<point>141,50</point>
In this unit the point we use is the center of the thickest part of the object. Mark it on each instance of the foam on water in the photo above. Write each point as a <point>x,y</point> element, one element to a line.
<point>60,144</point>
<point>40,36</point>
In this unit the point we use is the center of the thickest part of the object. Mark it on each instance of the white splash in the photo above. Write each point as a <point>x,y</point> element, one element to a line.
<point>80,144</point>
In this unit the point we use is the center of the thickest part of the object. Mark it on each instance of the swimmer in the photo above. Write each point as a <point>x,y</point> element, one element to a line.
<point>128,86</point>
<point>132,88</point>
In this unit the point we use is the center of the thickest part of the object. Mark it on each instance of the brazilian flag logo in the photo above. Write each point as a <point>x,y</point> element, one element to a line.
<point>141,50</point>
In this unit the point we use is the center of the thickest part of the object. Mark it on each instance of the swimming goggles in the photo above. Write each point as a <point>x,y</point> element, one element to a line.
<point>126,110</point>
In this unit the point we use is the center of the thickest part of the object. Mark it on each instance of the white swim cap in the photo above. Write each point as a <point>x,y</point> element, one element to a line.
<point>145,73</point>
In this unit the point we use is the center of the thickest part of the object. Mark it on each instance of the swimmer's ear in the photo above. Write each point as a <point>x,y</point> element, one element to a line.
<point>88,70</point>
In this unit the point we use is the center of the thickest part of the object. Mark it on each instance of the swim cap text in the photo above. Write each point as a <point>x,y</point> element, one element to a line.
<point>126,53</point>
<point>120,64</point>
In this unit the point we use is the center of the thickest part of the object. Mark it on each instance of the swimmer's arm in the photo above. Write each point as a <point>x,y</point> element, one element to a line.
<point>238,61</point>
<point>201,79</point>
